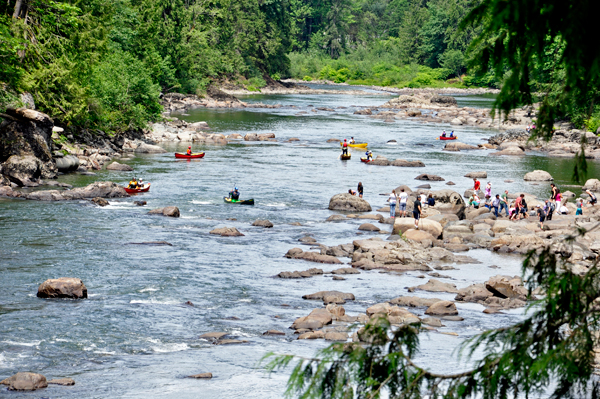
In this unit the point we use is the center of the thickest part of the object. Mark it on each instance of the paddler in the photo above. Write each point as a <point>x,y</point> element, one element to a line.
<point>370,155</point>
<point>352,140</point>
<point>345,147</point>
<point>444,133</point>
<point>133,183</point>
<point>189,151</point>
<point>235,194</point>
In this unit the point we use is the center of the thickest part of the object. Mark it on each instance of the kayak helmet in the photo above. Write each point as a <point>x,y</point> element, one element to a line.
<point>190,147</point>
<point>235,188</point>
<point>344,139</point>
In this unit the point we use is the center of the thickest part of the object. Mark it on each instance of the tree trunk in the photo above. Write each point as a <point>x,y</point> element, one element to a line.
<point>17,9</point>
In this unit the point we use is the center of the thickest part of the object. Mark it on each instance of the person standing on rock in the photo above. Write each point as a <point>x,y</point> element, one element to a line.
<point>360,189</point>
<point>392,200</point>
<point>403,200</point>
<point>496,204</point>
<point>542,215</point>
<point>524,207</point>
<point>504,202</point>
<point>488,190</point>
<point>476,184</point>
<point>417,212</point>
<point>579,207</point>
<point>345,147</point>
<point>549,208</point>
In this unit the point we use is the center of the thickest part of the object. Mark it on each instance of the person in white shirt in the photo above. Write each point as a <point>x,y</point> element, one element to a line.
<point>392,200</point>
<point>403,198</point>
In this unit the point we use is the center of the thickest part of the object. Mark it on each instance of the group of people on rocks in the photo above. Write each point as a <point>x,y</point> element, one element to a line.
<point>518,209</point>
<point>399,199</point>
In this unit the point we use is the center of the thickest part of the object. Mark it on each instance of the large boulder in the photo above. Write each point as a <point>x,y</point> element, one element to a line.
<point>538,175</point>
<point>119,167</point>
<point>447,101</point>
<point>68,163</point>
<point>22,169</point>
<point>226,232</point>
<point>592,184</point>
<point>513,150</point>
<point>102,189</point>
<point>401,225</point>
<point>480,175</point>
<point>448,196</point>
<point>506,287</point>
<point>26,132</point>
<point>317,319</point>
<point>64,287</point>
<point>429,177</point>
<point>442,308</point>
<point>348,202</point>
<point>458,146</point>
<point>408,164</point>
<point>23,381</point>
<point>149,149</point>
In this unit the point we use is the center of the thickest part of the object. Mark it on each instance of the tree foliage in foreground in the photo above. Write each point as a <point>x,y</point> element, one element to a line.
<point>551,352</point>
<point>540,45</point>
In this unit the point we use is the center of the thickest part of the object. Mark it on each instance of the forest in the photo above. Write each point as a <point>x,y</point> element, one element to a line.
<point>104,64</point>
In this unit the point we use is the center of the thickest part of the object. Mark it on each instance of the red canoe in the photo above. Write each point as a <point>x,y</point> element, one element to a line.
<point>186,156</point>
<point>448,138</point>
<point>365,160</point>
<point>144,189</point>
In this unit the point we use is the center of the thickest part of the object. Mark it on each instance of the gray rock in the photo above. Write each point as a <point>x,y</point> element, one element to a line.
<point>119,167</point>
<point>24,381</point>
<point>226,232</point>
<point>262,223</point>
<point>368,227</point>
<point>100,201</point>
<point>538,175</point>
<point>481,175</point>
<point>408,164</point>
<point>429,177</point>
<point>68,163</point>
<point>348,202</point>
<point>149,149</point>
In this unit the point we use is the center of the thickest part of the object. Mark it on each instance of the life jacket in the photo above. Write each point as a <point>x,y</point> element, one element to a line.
<point>189,151</point>
<point>345,144</point>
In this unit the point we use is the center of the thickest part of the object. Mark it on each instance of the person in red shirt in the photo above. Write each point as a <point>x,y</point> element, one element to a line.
<point>518,206</point>
<point>476,184</point>
<point>345,147</point>
<point>189,151</point>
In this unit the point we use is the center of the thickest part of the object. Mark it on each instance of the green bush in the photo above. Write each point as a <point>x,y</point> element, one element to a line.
<point>123,93</point>
<point>257,82</point>
<point>276,76</point>
<point>592,124</point>
<point>307,78</point>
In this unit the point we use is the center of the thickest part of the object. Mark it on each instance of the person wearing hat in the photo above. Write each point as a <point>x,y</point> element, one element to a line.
<point>542,214</point>
<point>189,151</point>
<point>235,194</point>
<point>345,147</point>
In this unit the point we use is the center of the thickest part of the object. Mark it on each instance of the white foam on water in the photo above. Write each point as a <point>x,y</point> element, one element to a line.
<point>195,202</point>
<point>30,344</point>
<point>149,289</point>
<point>104,353</point>
<point>244,300</point>
<point>166,348</point>
<point>89,348</point>
<point>275,204</point>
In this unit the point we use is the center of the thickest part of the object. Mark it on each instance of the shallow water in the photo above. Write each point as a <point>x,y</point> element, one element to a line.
<point>134,337</point>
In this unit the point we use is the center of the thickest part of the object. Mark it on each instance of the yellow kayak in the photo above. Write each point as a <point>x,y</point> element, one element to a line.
<point>357,145</point>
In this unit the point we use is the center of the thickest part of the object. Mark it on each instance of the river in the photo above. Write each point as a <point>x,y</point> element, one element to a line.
<point>134,337</point>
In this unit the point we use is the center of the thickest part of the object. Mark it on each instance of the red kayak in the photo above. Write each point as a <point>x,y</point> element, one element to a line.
<point>448,138</point>
<point>365,160</point>
<point>142,189</point>
<point>186,156</point>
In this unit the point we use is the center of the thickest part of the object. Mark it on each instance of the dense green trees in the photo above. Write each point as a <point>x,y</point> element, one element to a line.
<point>103,64</point>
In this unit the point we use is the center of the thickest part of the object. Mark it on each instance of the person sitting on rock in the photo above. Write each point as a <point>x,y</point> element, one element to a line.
<point>593,200</point>
<point>189,151</point>
<point>235,194</point>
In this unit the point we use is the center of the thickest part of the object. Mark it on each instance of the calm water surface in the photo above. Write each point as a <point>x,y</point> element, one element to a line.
<point>134,337</point>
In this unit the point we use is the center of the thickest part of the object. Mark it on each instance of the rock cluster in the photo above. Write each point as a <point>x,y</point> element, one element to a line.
<point>100,189</point>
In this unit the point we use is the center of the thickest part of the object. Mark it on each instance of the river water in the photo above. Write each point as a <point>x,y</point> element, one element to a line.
<point>134,337</point>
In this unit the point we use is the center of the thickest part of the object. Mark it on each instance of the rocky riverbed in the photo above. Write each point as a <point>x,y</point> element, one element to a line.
<point>206,292</point>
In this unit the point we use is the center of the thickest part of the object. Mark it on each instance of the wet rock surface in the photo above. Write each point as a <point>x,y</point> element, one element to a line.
<point>64,287</point>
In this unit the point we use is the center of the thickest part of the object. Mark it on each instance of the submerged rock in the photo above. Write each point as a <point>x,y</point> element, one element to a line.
<point>226,232</point>
<point>262,223</point>
<point>170,211</point>
<point>24,381</point>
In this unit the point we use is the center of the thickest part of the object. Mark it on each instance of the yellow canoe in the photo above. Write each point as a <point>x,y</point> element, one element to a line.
<point>357,145</point>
